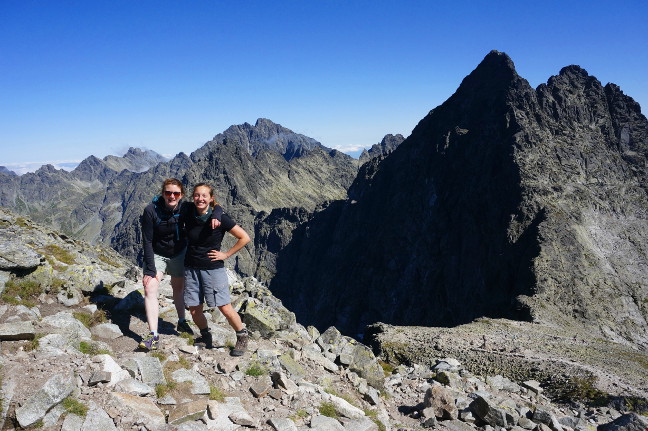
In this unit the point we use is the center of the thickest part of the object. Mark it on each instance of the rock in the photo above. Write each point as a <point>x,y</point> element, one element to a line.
<point>151,371</point>
<point>109,365</point>
<point>282,424</point>
<point>72,328</point>
<point>219,414</point>
<point>17,331</point>
<point>545,416</point>
<point>98,420</point>
<point>16,255</point>
<point>344,408</point>
<point>106,330</point>
<point>495,411</point>
<point>533,386</point>
<point>365,364</point>
<point>99,377</point>
<point>55,390</point>
<point>72,423</point>
<point>140,407</point>
<point>187,412</point>
<point>325,423</point>
<point>199,384</point>
<point>626,422</point>
<point>442,402</point>
<point>134,387</point>
<point>291,366</point>
<point>264,319</point>
<point>261,387</point>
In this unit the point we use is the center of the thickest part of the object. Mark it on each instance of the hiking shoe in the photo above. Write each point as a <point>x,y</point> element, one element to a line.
<point>183,326</point>
<point>241,344</point>
<point>206,337</point>
<point>149,342</point>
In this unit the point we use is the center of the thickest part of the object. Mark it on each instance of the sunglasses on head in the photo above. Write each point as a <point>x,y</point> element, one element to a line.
<point>168,193</point>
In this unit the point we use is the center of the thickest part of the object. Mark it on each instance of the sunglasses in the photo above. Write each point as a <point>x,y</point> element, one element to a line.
<point>168,193</point>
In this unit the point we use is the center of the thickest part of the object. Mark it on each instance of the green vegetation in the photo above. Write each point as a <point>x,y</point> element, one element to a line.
<point>74,406</point>
<point>108,260</point>
<point>33,343</point>
<point>91,349</point>
<point>255,370</point>
<point>162,389</point>
<point>21,292</point>
<point>328,409</point>
<point>61,254</point>
<point>22,222</point>
<point>584,389</point>
<point>188,337</point>
<point>299,414</point>
<point>388,368</point>
<point>161,356</point>
<point>90,319</point>
<point>373,415</point>
<point>216,394</point>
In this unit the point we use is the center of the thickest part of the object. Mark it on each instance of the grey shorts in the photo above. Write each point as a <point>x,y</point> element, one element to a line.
<point>174,266</point>
<point>206,285</point>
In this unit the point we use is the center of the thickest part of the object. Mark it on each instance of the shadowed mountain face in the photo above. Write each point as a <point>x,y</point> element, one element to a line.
<point>504,202</point>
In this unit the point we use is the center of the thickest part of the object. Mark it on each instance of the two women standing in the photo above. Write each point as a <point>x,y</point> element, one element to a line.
<point>167,248</point>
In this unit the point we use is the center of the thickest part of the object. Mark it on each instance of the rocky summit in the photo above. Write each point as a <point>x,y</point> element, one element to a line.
<point>71,319</point>
<point>505,202</point>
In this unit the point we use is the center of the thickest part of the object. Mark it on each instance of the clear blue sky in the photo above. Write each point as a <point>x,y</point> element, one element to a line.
<point>97,76</point>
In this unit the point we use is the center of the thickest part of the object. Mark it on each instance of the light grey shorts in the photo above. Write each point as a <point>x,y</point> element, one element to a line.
<point>174,266</point>
<point>206,285</point>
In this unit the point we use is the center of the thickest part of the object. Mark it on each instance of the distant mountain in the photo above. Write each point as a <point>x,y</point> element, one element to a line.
<point>4,170</point>
<point>504,202</point>
<point>135,160</point>
<point>386,146</point>
<point>262,174</point>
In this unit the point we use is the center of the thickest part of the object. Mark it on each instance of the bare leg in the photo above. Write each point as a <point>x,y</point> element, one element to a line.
<point>177,284</point>
<point>198,316</point>
<point>232,316</point>
<point>151,302</point>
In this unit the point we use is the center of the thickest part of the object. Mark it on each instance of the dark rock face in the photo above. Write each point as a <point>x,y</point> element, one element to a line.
<point>5,170</point>
<point>386,146</point>
<point>504,202</point>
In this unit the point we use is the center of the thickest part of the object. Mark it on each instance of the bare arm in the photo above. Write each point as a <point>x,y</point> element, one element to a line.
<point>243,239</point>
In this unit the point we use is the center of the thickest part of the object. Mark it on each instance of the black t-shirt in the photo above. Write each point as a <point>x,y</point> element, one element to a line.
<point>202,238</point>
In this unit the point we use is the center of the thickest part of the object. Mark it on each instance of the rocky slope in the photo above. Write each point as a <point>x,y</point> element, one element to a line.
<point>70,323</point>
<point>505,201</point>
<point>386,146</point>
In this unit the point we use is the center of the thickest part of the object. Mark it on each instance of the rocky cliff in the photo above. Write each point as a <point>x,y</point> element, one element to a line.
<point>505,201</point>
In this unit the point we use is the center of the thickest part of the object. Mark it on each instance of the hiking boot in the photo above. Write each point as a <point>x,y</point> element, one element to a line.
<point>241,343</point>
<point>206,337</point>
<point>149,342</point>
<point>183,326</point>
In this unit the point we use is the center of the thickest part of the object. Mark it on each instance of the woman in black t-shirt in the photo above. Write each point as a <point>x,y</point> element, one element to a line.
<point>205,274</point>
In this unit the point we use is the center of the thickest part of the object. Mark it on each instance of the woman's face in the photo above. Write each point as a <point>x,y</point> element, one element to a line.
<point>172,195</point>
<point>202,199</point>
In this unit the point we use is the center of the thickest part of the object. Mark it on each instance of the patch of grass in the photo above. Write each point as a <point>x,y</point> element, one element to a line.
<point>90,349</point>
<point>74,406</point>
<point>255,370</point>
<point>216,394</point>
<point>162,389</point>
<point>157,354</point>
<point>91,319</point>
<point>56,285</point>
<point>584,389</point>
<point>22,222</point>
<point>38,424</point>
<point>328,409</point>
<point>188,337</point>
<point>61,254</point>
<point>105,258</point>
<point>21,292</point>
<point>388,368</point>
<point>33,343</point>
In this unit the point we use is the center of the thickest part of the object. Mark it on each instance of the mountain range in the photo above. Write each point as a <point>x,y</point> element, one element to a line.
<point>505,201</point>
